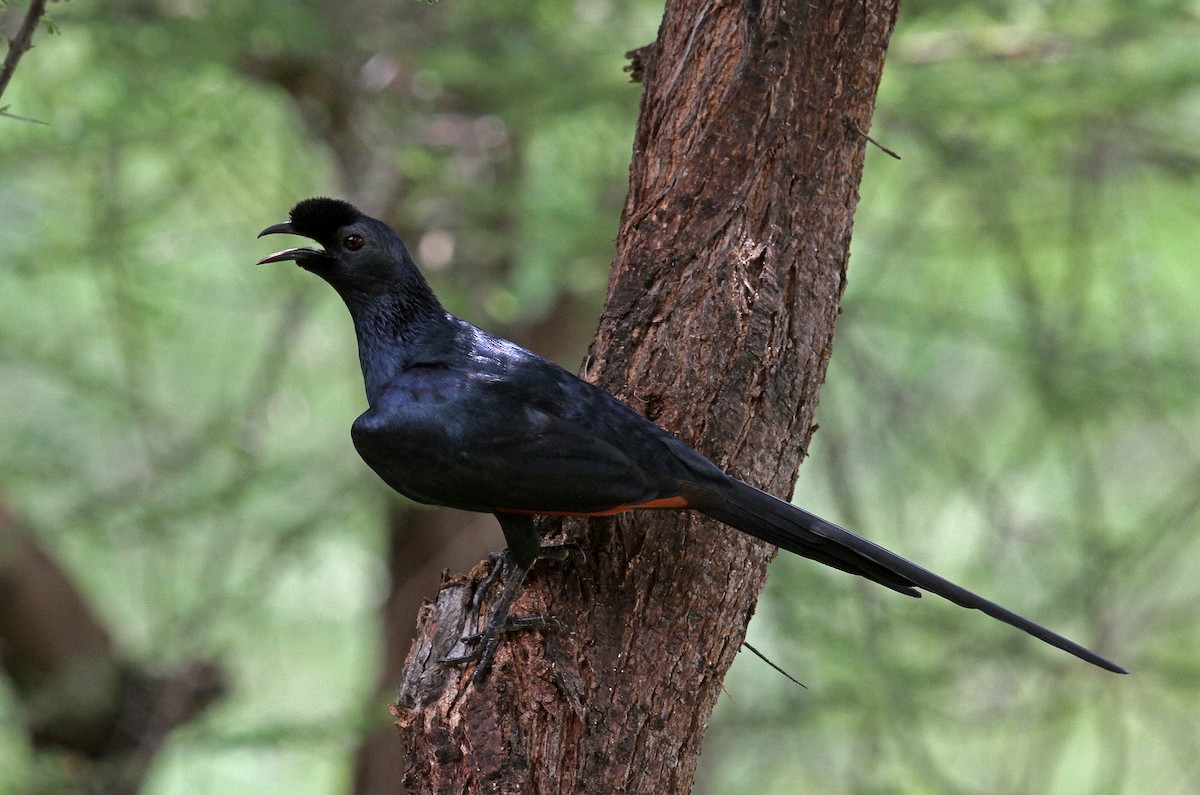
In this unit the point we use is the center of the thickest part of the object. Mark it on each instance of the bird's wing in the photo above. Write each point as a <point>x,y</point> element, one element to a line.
<point>485,444</point>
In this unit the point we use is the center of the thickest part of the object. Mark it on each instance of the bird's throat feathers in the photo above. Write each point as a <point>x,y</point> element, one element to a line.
<point>393,330</point>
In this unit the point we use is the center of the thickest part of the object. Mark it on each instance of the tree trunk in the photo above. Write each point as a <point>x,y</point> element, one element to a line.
<point>729,270</point>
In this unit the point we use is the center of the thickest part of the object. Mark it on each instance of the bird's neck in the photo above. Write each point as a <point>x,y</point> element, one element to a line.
<point>393,330</point>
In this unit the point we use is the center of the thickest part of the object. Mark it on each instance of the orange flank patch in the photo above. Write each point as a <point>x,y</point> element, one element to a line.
<point>661,502</point>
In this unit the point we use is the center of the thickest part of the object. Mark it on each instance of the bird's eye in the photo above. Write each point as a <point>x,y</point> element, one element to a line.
<point>352,242</point>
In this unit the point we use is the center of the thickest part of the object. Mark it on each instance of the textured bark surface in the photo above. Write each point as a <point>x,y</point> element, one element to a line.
<point>729,269</point>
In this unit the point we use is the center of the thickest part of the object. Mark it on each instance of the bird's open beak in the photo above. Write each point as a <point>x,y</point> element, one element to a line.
<point>301,256</point>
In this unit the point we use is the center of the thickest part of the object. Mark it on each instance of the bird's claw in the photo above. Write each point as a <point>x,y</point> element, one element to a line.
<point>487,641</point>
<point>513,625</point>
<point>502,565</point>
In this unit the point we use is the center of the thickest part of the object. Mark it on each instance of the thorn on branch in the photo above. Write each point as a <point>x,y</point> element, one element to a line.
<point>764,658</point>
<point>18,45</point>
<point>4,112</point>
<point>853,125</point>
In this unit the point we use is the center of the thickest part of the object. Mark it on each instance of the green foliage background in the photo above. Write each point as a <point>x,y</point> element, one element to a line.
<point>1012,401</point>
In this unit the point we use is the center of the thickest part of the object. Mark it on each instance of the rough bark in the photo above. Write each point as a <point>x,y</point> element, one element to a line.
<point>729,269</point>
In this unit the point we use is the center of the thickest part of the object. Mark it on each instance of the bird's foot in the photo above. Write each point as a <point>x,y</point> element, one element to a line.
<point>499,624</point>
<point>503,566</point>
<point>486,642</point>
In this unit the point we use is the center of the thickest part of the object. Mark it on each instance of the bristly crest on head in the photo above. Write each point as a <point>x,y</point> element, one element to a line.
<point>320,218</point>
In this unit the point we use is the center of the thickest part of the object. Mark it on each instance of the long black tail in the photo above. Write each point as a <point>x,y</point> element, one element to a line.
<point>788,527</point>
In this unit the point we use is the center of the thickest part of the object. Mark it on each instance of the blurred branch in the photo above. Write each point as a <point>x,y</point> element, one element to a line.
<point>19,45</point>
<point>78,695</point>
<point>48,634</point>
<point>110,271</point>
<point>236,595</point>
<point>327,100</point>
<point>217,431</point>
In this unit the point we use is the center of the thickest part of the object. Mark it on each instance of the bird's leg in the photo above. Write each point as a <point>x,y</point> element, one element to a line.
<point>513,564</point>
<point>502,565</point>
<point>499,623</point>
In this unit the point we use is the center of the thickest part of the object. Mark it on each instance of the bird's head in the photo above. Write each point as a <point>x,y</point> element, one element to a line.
<point>357,254</point>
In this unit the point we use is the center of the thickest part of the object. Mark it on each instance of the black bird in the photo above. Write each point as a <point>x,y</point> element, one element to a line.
<point>461,418</point>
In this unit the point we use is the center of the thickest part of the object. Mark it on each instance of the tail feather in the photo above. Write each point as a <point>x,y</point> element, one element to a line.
<point>788,527</point>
